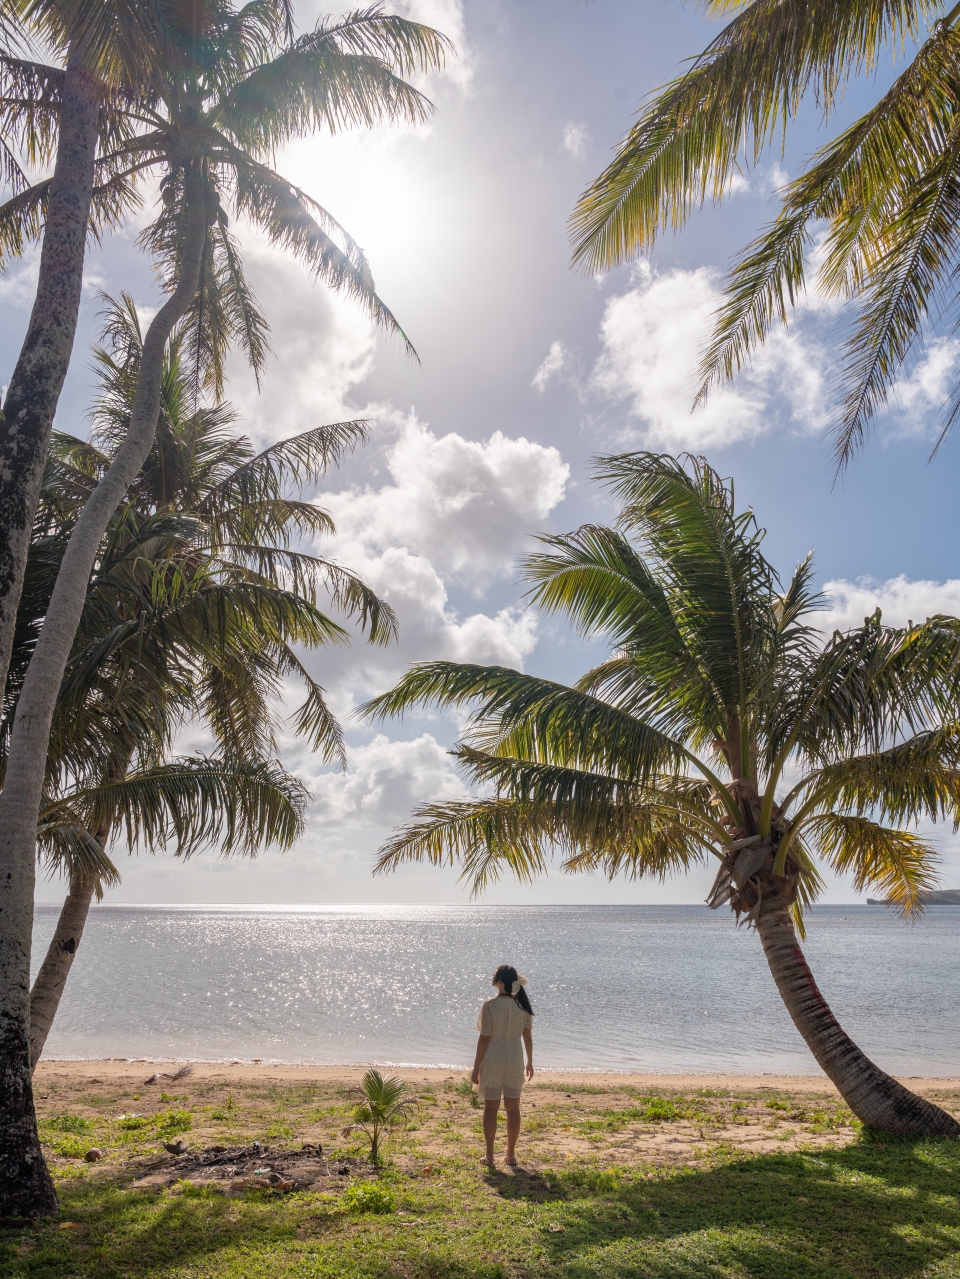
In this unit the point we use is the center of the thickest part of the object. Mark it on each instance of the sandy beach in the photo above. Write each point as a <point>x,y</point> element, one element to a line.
<point>124,1071</point>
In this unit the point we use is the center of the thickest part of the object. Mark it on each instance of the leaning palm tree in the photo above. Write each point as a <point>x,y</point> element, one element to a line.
<point>234,88</point>
<point>194,610</point>
<point>60,114</point>
<point>721,726</point>
<point>129,67</point>
<point>886,190</point>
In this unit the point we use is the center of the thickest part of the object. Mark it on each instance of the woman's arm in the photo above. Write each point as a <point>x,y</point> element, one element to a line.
<point>481,1051</point>
<point>528,1044</point>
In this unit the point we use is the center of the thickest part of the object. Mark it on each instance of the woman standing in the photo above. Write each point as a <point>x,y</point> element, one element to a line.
<point>498,1070</point>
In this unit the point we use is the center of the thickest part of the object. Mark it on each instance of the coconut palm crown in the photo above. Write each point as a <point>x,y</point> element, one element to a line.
<point>721,726</point>
<point>234,86</point>
<point>200,595</point>
<point>884,191</point>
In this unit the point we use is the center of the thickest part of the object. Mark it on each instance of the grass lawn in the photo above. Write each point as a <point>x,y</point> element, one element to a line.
<point>751,1184</point>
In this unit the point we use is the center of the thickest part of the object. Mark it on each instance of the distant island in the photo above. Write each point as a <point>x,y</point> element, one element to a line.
<point>934,897</point>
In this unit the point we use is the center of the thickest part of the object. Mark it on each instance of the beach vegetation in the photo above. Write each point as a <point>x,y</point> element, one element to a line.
<point>363,1197</point>
<point>870,220</point>
<point>723,726</point>
<point>133,1123</point>
<point>70,1147</point>
<point>383,1103</point>
<point>656,1110</point>
<point>171,1122</point>
<point>801,1207</point>
<point>67,1123</point>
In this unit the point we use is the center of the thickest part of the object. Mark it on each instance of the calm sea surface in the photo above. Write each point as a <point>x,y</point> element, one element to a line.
<point>614,988</point>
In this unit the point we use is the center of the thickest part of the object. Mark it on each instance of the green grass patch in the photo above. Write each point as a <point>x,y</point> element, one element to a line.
<point>672,1185</point>
<point>855,1212</point>
<point>70,1147</point>
<point>133,1123</point>
<point>367,1197</point>
<point>171,1122</point>
<point>67,1123</point>
<point>572,1090</point>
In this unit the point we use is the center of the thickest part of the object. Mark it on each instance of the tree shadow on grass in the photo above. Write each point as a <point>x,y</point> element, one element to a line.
<point>861,1212</point>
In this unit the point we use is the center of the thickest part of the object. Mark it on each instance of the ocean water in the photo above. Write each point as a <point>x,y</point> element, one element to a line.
<point>671,988</point>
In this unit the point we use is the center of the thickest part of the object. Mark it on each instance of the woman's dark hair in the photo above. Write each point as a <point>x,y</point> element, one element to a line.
<point>508,976</point>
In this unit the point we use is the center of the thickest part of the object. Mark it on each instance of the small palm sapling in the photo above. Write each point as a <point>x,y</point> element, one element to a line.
<point>382,1104</point>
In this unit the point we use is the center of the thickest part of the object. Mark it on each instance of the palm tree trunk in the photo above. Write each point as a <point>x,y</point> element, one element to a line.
<point>877,1099</point>
<point>50,980</point>
<point>37,379</point>
<point>25,1185</point>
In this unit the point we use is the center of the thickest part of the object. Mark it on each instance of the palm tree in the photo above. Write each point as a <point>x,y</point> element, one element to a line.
<point>679,745</point>
<point>126,63</point>
<point>233,89</point>
<point>62,114</point>
<point>193,611</point>
<point>887,188</point>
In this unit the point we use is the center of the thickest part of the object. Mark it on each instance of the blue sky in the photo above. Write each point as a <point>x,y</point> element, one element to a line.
<point>527,370</point>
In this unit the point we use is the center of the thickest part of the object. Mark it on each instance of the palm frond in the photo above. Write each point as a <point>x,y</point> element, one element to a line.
<point>191,803</point>
<point>224,311</point>
<point>860,183</point>
<point>30,94</point>
<point>596,810</point>
<point>21,220</point>
<point>313,719</point>
<point>300,225</point>
<point>605,587</point>
<point>709,558</point>
<point>919,776</point>
<point>694,132</point>
<point>301,459</point>
<point>865,685</point>
<point>763,287</point>
<point>66,848</point>
<point>484,838</point>
<point>898,862</point>
<point>344,74</point>
<point>534,718</point>
<point>913,260</point>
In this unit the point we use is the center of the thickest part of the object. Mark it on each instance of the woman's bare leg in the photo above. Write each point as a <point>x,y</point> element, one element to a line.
<point>490,1109</point>
<point>512,1107</point>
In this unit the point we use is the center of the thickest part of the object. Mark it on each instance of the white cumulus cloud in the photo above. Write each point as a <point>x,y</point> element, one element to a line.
<point>385,783</point>
<point>19,286</point>
<point>928,385</point>
<point>652,339</point>
<point>899,599</point>
<point>448,509</point>
<point>466,505</point>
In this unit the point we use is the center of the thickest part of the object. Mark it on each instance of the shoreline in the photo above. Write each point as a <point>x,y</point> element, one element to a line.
<point>122,1069</point>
